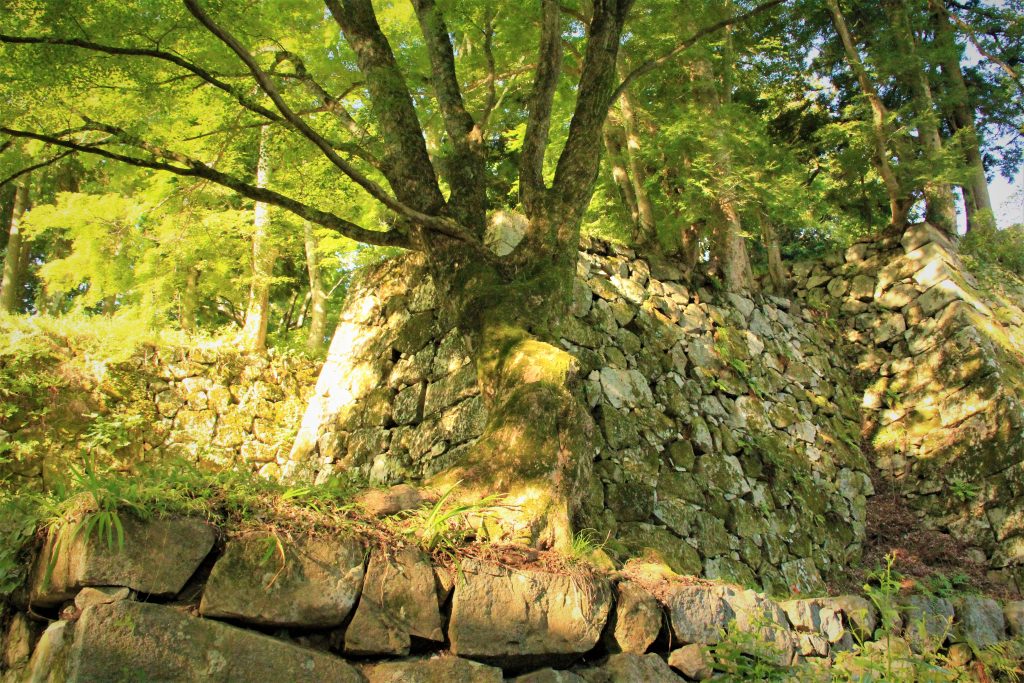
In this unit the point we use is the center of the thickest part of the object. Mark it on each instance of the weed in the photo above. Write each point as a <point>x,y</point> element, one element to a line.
<point>584,543</point>
<point>963,490</point>
<point>746,655</point>
<point>444,526</point>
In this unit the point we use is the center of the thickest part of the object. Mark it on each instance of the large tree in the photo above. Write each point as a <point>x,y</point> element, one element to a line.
<point>246,74</point>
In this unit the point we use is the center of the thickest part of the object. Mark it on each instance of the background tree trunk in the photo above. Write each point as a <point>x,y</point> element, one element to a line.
<point>776,269</point>
<point>646,227</point>
<point>940,210</point>
<point>615,148</point>
<point>317,293</point>
<point>15,259</point>
<point>977,200</point>
<point>189,301</point>
<point>257,312</point>
<point>898,204</point>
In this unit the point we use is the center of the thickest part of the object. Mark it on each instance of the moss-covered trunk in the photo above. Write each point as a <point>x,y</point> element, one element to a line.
<point>535,451</point>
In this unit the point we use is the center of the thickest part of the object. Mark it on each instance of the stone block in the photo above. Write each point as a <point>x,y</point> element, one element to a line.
<point>157,558</point>
<point>308,583</point>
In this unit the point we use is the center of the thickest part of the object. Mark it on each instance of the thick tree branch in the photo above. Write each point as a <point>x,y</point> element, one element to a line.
<point>142,52</point>
<point>578,164</point>
<point>439,224</point>
<point>652,64</point>
<point>468,198</point>
<point>406,160</point>
<point>532,190</point>
<point>196,169</point>
<point>330,102</point>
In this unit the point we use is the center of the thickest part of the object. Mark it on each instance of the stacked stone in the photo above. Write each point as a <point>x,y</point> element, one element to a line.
<point>726,422</point>
<point>397,399</point>
<point>943,379</point>
<point>340,611</point>
<point>728,432</point>
<point>226,407</point>
<point>207,403</point>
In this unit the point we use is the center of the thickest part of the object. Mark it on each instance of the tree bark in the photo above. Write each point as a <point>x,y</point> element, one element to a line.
<point>257,312</point>
<point>15,260</point>
<point>729,247</point>
<point>899,204</point>
<point>776,269</point>
<point>317,292</point>
<point>615,148</point>
<point>977,200</point>
<point>189,301</point>
<point>940,210</point>
<point>646,227</point>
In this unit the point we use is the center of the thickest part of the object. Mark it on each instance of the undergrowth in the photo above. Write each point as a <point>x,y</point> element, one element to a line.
<point>92,500</point>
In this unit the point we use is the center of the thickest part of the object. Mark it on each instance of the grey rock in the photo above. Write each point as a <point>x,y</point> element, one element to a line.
<point>629,668</point>
<point>699,613</point>
<point>441,669</point>
<point>160,643</point>
<point>928,622</point>
<point>158,557</point>
<point>635,621</point>
<point>741,303</point>
<point>104,595</point>
<point>625,388</point>
<point>398,600</point>
<point>548,676</point>
<point>520,618</point>
<point>49,659</point>
<point>17,642</point>
<point>315,584</point>
<point>692,661</point>
<point>979,621</point>
<point>862,288</point>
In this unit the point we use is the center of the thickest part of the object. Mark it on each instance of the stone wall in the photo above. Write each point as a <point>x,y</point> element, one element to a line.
<point>728,440</point>
<point>941,361</point>
<point>208,403</point>
<point>171,606</point>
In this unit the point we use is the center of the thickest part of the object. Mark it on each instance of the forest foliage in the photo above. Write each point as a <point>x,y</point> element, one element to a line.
<point>224,167</point>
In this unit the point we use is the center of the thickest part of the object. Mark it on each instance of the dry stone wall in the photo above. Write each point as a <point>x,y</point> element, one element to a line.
<point>728,441</point>
<point>208,403</point>
<point>940,358</point>
<point>337,609</point>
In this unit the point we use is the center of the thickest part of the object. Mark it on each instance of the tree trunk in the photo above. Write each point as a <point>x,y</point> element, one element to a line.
<point>940,210</point>
<point>776,269</point>
<point>317,292</point>
<point>729,248</point>
<point>615,149</point>
<point>536,446</point>
<point>257,312</point>
<point>15,260</point>
<point>977,200</point>
<point>646,228</point>
<point>189,301</point>
<point>898,202</point>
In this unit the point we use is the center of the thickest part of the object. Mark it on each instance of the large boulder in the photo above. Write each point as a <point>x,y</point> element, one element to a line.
<point>310,583</point>
<point>627,668</point>
<point>520,618</point>
<point>699,613</point>
<point>979,621</point>
<point>635,622</point>
<point>147,642</point>
<point>157,557</point>
<point>443,669</point>
<point>399,600</point>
